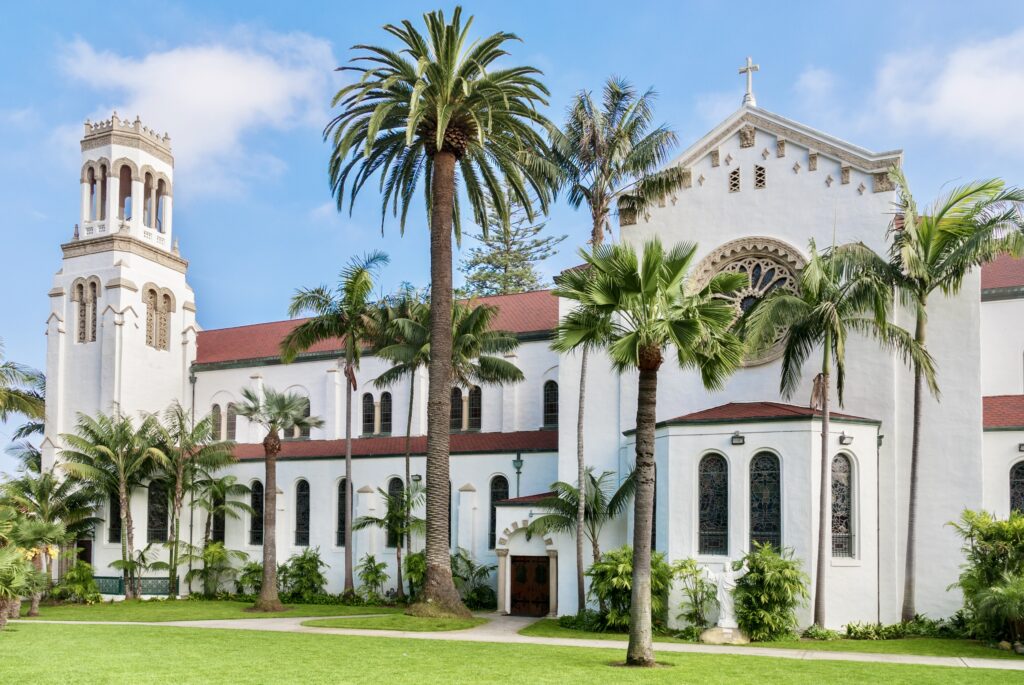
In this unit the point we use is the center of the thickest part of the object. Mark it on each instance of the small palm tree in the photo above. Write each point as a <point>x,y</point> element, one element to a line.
<point>113,455</point>
<point>278,413</point>
<point>345,314</point>
<point>397,521</point>
<point>636,309</point>
<point>219,497</point>
<point>20,390</point>
<point>610,159</point>
<point>42,540</point>
<point>441,110</point>
<point>216,566</point>
<point>833,300</point>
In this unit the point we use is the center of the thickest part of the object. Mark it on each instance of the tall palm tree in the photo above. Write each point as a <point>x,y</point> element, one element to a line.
<point>278,413</point>
<point>934,252</point>
<point>188,445</point>
<point>833,300</point>
<point>397,521</point>
<point>344,314</point>
<point>110,453</point>
<point>440,109</point>
<point>637,309</point>
<point>610,159</point>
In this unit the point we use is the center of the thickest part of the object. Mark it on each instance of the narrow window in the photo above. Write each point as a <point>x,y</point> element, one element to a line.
<point>114,519</point>
<point>256,518</point>
<point>395,489</point>
<point>303,432</point>
<point>219,520</point>
<point>759,177</point>
<point>302,514</point>
<point>1017,487</point>
<point>385,413</point>
<point>124,193</point>
<point>148,192</point>
<point>765,500</point>
<point>156,513</point>
<point>161,193</point>
<point>93,195</point>
<point>734,181</point>
<point>842,506</point>
<point>499,492</point>
<point>93,296</point>
<point>342,511</point>
<point>83,312</point>
<point>103,192</point>
<point>713,494</point>
<point>163,341</point>
<point>368,412</point>
<point>232,421</point>
<point>456,412</point>
<point>475,408</point>
<point>215,424</point>
<point>551,404</point>
<point>151,317</point>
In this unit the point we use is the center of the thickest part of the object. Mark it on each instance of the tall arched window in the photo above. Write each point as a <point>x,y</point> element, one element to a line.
<point>302,514</point>
<point>456,412</point>
<point>83,313</point>
<point>842,506</point>
<point>475,408</point>
<point>156,513</point>
<point>303,432</point>
<point>256,518</point>
<point>342,511</point>
<point>94,199</point>
<point>551,404</point>
<point>215,422</point>
<point>1017,487</point>
<point>713,494</point>
<point>124,193</point>
<point>765,500</point>
<point>232,421</point>
<point>385,413</point>
<point>86,292</point>
<point>499,491</point>
<point>368,414</point>
<point>148,192</point>
<point>161,194</point>
<point>159,305</point>
<point>94,293</point>
<point>114,519</point>
<point>219,520</point>
<point>395,489</point>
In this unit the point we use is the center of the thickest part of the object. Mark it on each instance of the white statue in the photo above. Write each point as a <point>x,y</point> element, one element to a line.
<point>726,604</point>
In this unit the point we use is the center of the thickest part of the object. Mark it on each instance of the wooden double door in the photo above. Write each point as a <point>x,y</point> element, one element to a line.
<point>531,586</point>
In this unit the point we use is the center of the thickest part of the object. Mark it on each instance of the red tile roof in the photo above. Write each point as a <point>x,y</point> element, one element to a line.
<point>1002,411</point>
<point>525,500</point>
<point>1003,272</point>
<point>461,443</point>
<point>751,411</point>
<point>523,313</point>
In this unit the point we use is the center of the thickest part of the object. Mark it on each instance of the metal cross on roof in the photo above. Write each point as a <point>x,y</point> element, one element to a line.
<point>749,70</point>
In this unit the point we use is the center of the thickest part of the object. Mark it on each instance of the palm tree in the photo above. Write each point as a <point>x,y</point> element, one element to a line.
<point>42,539</point>
<point>188,445</point>
<point>278,413</point>
<point>218,497</point>
<point>636,309</point>
<point>111,454</point>
<point>610,159</point>
<point>20,390</point>
<point>965,228</point>
<point>440,110</point>
<point>345,314</point>
<point>833,300</point>
<point>398,521</point>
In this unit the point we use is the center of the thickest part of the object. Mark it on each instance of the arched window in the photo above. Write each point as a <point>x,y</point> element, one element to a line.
<point>713,500</point>
<point>256,518</point>
<point>302,514</point>
<point>93,296</point>
<point>395,489</point>
<point>303,432</point>
<point>499,491</point>
<point>368,414</point>
<point>842,506</point>
<point>765,500</point>
<point>114,519</point>
<point>1017,487</point>
<point>215,422</point>
<point>161,193</point>
<point>456,411</point>
<point>475,408</point>
<point>94,198</point>
<point>83,313</point>
<point>163,323</point>
<point>385,413</point>
<point>103,193</point>
<point>219,520</point>
<point>156,513</point>
<point>551,404</point>
<point>342,511</point>
<point>85,292</point>
<point>124,193</point>
<point>148,198</point>
<point>232,421</point>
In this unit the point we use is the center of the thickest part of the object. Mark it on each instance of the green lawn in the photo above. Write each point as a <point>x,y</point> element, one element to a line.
<point>924,646</point>
<point>40,653</point>
<point>398,622</point>
<point>190,610</point>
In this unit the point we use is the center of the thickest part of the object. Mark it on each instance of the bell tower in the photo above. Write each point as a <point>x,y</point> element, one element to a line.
<point>121,330</point>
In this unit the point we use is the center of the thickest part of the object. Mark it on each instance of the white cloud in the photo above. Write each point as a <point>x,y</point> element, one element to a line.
<point>815,87</point>
<point>208,96</point>
<point>971,93</point>
<point>714,107</point>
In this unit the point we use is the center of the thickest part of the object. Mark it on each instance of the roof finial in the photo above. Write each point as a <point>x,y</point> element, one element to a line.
<point>748,98</point>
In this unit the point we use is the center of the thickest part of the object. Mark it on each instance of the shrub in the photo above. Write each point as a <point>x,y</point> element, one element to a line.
<point>216,566</point>
<point>699,594</point>
<point>482,597</point>
<point>372,576</point>
<point>301,578</point>
<point>414,572</point>
<point>588,620</point>
<point>78,585</point>
<point>250,578</point>
<point>815,632</point>
<point>611,581</point>
<point>473,581</point>
<point>768,594</point>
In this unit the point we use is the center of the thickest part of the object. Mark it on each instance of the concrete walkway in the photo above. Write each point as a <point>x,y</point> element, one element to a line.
<point>505,630</point>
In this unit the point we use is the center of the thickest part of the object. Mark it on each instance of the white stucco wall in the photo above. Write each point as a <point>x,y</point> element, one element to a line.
<point>1002,360</point>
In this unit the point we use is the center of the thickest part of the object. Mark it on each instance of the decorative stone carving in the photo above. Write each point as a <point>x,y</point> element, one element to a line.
<point>748,135</point>
<point>861,188</point>
<point>844,175</point>
<point>687,178</point>
<point>812,161</point>
<point>780,147</point>
<point>796,167</point>
<point>829,180</point>
<point>701,180</point>
<point>765,154</point>
<point>882,182</point>
<point>714,158</point>
<point>728,159</point>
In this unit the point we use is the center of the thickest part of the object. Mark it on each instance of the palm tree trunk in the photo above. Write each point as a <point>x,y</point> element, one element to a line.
<point>125,543</point>
<point>581,505</point>
<point>910,570</point>
<point>408,457</point>
<point>133,575</point>
<point>179,496</point>
<point>349,585</point>
<point>268,599</point>
<point>641,646</point>
<point>13,608</point>
<point>398,561</point>
<point>4,608</point>
<point>438,587</point>
<point>824,493</point>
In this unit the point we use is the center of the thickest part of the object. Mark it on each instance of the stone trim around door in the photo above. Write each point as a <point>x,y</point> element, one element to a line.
<point>505,575</point>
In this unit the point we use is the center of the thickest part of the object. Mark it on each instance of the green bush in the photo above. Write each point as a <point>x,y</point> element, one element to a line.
<point>78,585</point>
<point>372,576</point>
<point>768,594</point>
<point>699,595</point>
<point>414,567</point>
<point>587,620</point>
<point>301,578</point>
<point>250,578</point>
<point>473,581</point>
<point>611,582</point>
<point>481,598</point>
<point>992,580</point>
<point>815,632</point>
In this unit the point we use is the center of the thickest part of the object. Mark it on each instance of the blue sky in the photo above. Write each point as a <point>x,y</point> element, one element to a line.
<point>244,90</point>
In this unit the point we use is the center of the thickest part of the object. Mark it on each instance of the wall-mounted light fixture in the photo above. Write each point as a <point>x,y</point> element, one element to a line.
<point>738,439</point>
<point>416,478</point>
<point>1020,447</point>
<point>881,438</point>
<point>845,439</point>
<point>517,464</point>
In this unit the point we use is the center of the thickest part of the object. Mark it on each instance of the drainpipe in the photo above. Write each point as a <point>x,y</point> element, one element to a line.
<point>878,529</point>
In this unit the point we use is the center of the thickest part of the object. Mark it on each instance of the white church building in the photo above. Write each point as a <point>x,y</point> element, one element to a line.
<point>734,466</point>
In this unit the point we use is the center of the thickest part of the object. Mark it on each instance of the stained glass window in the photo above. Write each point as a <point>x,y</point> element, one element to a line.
<point>342,511</point>
<point>368,412</point>
<point>114,519</point>
<point>156,513</point>
<point>256,519</point>
<point>385,413</point>
<point>395,489</point>
<point>499,491</point>
<point>302,514</point>
<point>455,423</point>
<point>842,506</point>
<point>1017,487</point>
<point>215,422</point>
<point>765,500</point>
<point>551,404</point>
<point>713,500</point>
<point>475,408</point>
<point>232,421</point>
<point>219,520</point>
